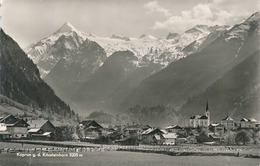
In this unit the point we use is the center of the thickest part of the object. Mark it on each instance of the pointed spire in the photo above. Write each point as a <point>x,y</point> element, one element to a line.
<point>207,106</point>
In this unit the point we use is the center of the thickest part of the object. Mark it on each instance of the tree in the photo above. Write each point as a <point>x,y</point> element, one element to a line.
<point>203,138</point>
<point>242,136</point>
<point>230,138</point>
<point>255,137</point>
<point>62,133</point>
<point>75,136</point>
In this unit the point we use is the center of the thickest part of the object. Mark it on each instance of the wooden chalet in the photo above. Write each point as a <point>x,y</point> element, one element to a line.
<point>153,136</point>
<point>15,126</point>
<point>40,129</point>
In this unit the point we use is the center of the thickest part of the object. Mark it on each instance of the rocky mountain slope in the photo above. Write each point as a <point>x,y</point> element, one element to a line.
<point>21,82</point>
<point>77,66</point>
<point>187,78</point>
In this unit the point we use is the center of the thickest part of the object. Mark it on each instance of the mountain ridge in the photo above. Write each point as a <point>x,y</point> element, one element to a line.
<point>21,82</point>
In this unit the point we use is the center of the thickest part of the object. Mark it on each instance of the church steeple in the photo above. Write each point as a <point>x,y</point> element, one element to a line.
<point>207,113</point>
<point>207,106</point>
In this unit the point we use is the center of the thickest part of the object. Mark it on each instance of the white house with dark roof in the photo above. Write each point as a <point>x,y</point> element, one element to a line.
<point>15,127</point>
<point>229,123</point>
<point>4,134</point>
<point>201,120</point>
<point>169,138</point>
<point>248,123</point>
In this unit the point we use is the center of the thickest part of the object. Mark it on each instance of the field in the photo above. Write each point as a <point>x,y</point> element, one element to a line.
<point>112,158</point>
<point>115,158</point>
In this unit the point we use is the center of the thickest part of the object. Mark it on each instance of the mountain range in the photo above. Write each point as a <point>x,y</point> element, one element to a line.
<point>179,70</point>
<point>224,72</point>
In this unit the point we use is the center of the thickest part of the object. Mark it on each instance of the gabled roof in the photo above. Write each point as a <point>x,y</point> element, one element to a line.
<point>248,120</point>
<point>151,131</point>
<point>227,118</point>
<point>88,123</point>
<point>2,118</point>
<point>195,117</point>
<point>203,117</point>
<point>37,123</point>
<point>137,127</point>
<point>251,120</point>
<point>14,123</point>
<point>9,119</point>
<point>174,127</point>
<point>244,120</point>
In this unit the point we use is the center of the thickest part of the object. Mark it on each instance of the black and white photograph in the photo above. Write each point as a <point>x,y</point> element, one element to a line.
<point>129,82</point>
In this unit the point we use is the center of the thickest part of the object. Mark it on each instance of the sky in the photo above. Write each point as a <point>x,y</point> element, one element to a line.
<point>28,21</point>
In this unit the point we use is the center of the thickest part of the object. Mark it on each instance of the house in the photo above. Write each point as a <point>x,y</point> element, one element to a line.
<point>3,127</point>
<point>8,118</point>
<point>181,139</point>
<point>40,129</point>
<point>135,130</point>
<point>201,120</point>
<point>248,123</point>
<point>173,129</point>
<point>229,123</point>
<point>203,138</point>
<point>15,126</point>
<point>93,130</point>
<point>216,138</point>
<point>217,129</point>
<point>4,134</point>
<point>153,136</point>
<point>191,139</point>
<point>169,138</point>
<point>108,131</point>
<point>89,123</point>
<point>18,129</point>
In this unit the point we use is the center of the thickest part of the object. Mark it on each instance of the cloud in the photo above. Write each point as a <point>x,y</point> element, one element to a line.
<point>217,12</point>
<point>153,6</point>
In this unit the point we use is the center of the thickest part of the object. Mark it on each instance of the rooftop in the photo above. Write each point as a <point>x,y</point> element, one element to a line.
<point>37,123</point>
<point>227,118</point>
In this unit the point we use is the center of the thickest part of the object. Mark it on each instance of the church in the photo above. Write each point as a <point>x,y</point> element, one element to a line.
<point>201,120</point>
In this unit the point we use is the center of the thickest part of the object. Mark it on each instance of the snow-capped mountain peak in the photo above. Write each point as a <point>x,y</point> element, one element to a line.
<point>120,37</point>
<point>172,36</point>
<point>46,53</point>
<point>147,37</point>
<point>66,27</point>
<point>254,17</point>
<point>241,30</point>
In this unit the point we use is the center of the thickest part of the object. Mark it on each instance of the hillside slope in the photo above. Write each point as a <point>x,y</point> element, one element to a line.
<point>189,77</point>
<point>21,82</point>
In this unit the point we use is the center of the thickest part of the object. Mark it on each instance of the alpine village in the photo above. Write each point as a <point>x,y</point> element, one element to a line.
<point>200,130</point>
<point>202,91</point>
